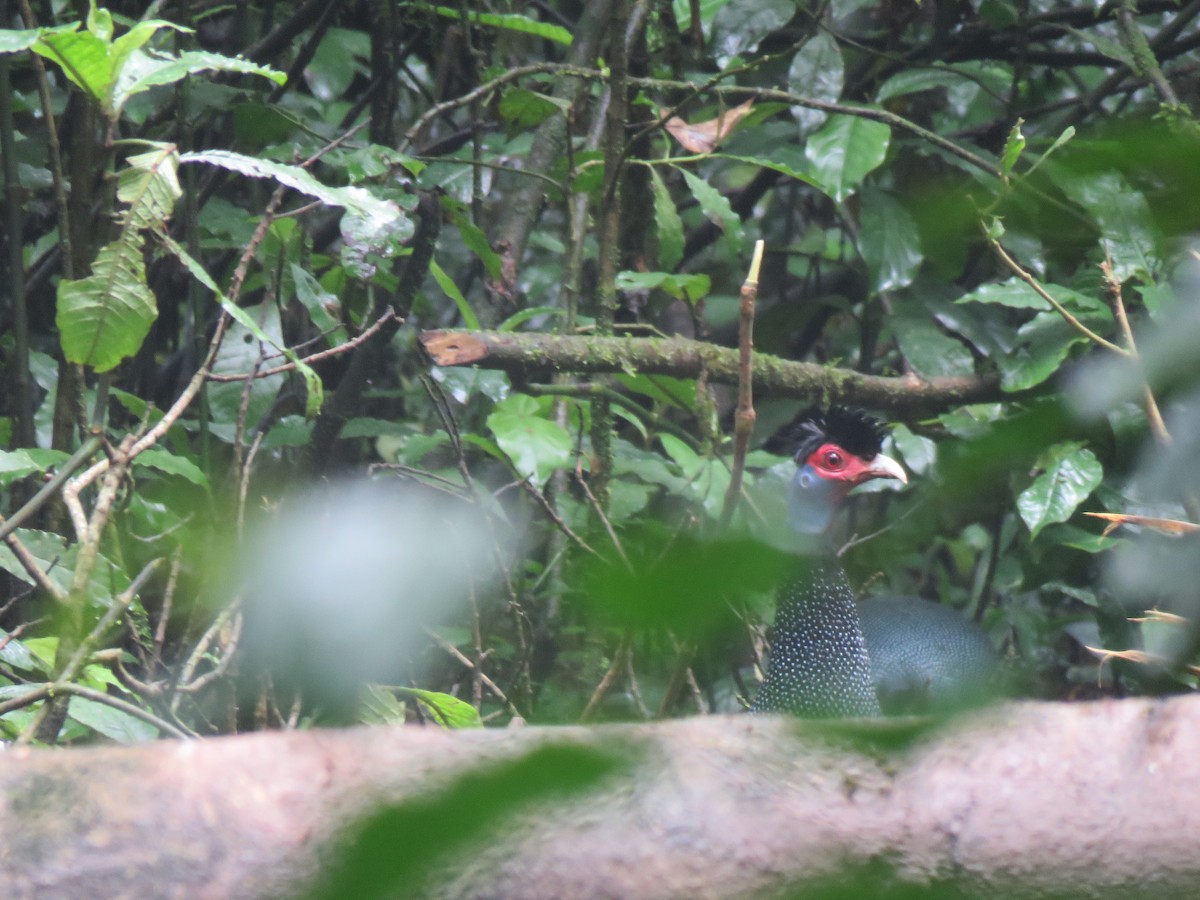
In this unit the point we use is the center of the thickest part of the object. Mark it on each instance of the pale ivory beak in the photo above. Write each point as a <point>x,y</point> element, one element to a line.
<point>885,467</point>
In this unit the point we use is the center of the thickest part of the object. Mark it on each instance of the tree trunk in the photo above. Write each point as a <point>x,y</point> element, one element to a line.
<point>1031,799</point>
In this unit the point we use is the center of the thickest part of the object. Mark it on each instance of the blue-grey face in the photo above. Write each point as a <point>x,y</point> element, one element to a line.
<point>812,500</point>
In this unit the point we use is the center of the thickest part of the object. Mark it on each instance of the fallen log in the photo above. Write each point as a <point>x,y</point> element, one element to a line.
<point>1030,799</point>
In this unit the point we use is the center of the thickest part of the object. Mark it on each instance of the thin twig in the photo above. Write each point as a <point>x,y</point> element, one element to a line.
<point>462,658</point>
<point>1112,288</point>
<point>609,679</point>
<point>366,334</point>
<point>1016,269</point>
<point>555,517</point>
<point>743,426</point>
<point>34,568</point>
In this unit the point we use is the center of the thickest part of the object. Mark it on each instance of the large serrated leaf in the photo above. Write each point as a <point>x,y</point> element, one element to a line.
<point>1070,473</point>
<point>104,317</point>
<point>150,185</point>
<point>92,60</point>
<point>356,200</point>
<point>146,69</point>
<point>845,150</point>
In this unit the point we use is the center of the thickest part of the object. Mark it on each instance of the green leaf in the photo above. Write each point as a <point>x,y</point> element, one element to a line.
<point>532,312</point>
<point>681,286</point>
<point>670,226</point>
<point>56,558</point>
<point>1107,46</point>
<point>18,464</point>
<point>523,108</point>
<point>1070,472</point>
<point>1127,227</point>
<point>511,22</point>
<point>1014,144</point>
<point>379,706</point>
<point>447,711</point>
<point>320,303</point>
<point>165,461</point>
<point>1047,341</point>
<point>889,242</point>
<point>926,347</point>
<point>739,26</point>
<point>845,151</point>
<point>912,81</point>
<point>380,214</point>
<point>535,445</point>
<point>148,68</point>
<point>110,722</point>
<point>450,289</point>
<point>105,317</point>
<point>1067,535</point>
<point>16,40</point>
<point>17,655</point>
<point>772,164</point>
<point>472,235</point>
<point>92,60</point>
<point>1016,294</point>
<point>438,828</point>
<point>1067,134</point>
<point>817,72</point>
<point>316,391</point>
<point>717,210</point>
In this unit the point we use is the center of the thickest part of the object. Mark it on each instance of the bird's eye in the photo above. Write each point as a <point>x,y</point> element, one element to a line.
<point>833,460</point>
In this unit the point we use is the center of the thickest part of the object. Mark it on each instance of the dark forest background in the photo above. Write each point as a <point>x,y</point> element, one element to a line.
<point>236,488</point>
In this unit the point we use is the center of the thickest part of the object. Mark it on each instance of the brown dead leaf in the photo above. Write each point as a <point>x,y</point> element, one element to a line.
<point>1166,526</point>
<point>705,137</point>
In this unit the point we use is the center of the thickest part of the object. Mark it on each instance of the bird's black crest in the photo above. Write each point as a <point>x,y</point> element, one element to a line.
<point>851,429</point>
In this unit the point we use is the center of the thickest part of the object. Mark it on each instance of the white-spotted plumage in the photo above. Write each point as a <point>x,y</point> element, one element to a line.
<point>819,666</point>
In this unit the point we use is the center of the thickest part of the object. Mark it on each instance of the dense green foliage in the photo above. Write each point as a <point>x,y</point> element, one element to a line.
<point>220,260</point>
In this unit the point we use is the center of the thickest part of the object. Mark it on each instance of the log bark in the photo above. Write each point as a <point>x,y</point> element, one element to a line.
<point>531,354</point>
<point>1030,799</point>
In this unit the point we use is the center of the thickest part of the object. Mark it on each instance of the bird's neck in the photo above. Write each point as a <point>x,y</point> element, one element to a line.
<point>819,664</point>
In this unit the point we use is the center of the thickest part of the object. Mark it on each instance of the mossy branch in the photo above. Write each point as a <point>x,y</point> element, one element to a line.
<point>535,355</point>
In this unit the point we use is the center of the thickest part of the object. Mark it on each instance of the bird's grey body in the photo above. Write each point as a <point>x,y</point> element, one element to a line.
<point>926,657</point>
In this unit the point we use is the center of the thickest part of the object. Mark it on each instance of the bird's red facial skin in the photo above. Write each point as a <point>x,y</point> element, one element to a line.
<point>833,463</point>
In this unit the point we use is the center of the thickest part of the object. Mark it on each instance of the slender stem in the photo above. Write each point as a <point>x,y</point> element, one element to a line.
<point>745,416</point>
<point>1016,269</point>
